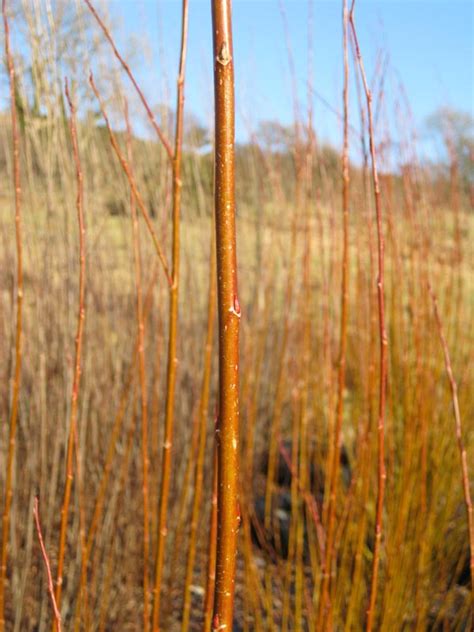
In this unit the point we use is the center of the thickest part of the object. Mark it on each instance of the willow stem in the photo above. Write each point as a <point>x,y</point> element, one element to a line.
<point>172,360</point>
<point>228,513</point>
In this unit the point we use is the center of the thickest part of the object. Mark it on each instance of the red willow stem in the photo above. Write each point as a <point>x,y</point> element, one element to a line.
<point>334,473</point>
<point>126,67</point>
<point>172,360</point>
<point>57,615</point>
<point>19,320</point>
<point>381,474</point>
<point>461,447</point>
<point>78,352</point>
<point>142,378</point>
<point>228,514</point>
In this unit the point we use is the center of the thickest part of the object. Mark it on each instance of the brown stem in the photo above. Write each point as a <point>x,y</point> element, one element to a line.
<point>172,360</point>
<point>19,320</point>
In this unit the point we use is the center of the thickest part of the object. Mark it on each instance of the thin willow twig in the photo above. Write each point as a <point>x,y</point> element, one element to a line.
<point>126,168</point>
<point>126,67</point>
<point>381,473</point>
<point>57,614</point>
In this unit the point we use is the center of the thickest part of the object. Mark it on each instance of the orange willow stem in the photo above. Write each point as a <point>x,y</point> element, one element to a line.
<point>334,475</point>
<point>126,67</point>
<point>228,514</point>
<point>381,474</point>
<point>172,360</point>
<point>143,388</point>
<point>203,415</point>
<point>131,180</point>
<point>57,615</point>
<point>77,361</point>
<point>461,446</point>
<point>19,313</point>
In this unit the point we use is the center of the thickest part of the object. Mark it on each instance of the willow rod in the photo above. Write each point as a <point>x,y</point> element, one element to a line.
<point>381,473</point>
<point>172,360</point>
<point>228,514</point>
<point>49,575</point>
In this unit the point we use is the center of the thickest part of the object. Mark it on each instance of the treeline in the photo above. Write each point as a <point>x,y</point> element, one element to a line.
<point>266,165</point>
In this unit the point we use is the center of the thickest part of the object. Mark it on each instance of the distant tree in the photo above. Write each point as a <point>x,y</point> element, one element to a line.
<point>455,130</point>
<point>196,135</point>
<point>275,137</point>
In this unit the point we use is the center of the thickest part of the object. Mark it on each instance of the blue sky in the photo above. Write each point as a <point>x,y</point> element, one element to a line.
<point>429,45</point>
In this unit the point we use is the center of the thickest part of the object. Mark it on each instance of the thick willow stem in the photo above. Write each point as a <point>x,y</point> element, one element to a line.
<point>228,513</point>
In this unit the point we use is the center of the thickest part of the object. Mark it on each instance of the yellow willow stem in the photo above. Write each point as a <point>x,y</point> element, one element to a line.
<point>172,360</point>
